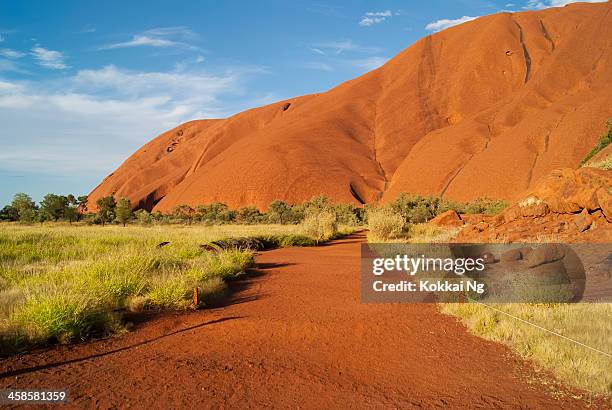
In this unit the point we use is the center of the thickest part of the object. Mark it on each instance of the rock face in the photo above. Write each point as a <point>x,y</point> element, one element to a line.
<point>568,205</point>
<point>481,109</point>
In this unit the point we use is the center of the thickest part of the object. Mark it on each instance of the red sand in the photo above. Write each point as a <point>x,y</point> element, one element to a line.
<point>295,335</point>
<point>482,109</point>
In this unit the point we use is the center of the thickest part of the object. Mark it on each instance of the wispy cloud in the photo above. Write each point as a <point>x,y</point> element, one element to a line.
<point>1,38</point>
<point>12,54</point>
<point>339,47</point>
<point>158,37</point>
<point>49,58</point>
<point>374,17</point>
<point>542,4</point>
<point>442,24</point>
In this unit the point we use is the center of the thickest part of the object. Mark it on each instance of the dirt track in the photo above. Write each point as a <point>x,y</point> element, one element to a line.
<point>295,334</point>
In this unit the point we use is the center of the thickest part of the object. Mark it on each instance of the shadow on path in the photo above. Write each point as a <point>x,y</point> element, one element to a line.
<point>18,372</point>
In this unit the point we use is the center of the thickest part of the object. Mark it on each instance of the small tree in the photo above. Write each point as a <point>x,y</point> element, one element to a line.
<point>279,212</point>
<point>71,213</point>
<point>106,209</point>
<point>53,207</point>
<point>26,208</point>
<point>123,211</point>
<point>317,204</point>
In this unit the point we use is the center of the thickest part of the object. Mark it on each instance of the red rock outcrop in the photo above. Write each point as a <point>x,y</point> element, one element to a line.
<point>567,205</point>
<point>481,109</point>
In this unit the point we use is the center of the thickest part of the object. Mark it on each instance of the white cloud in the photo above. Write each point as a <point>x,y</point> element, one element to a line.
<point>158,37</point>
<point>49,58</point>
<point>370,63</point>
<point>1,38</point>
<point>538,4</point>
<point>12,54</point>
<point>318,51</point>
<point>442,24</point>
<point>339,47</point>
<point>89,122</point>
<point>374,17</point>
<point>199,59</point>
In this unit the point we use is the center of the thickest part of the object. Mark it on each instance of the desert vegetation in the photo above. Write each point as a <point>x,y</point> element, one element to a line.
<point>404,219</point>
<point>65,276</point>
<point>61,282</point>
<point>588,323</point>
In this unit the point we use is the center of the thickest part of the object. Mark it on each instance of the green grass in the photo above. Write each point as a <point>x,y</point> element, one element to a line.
<point>61,282</point>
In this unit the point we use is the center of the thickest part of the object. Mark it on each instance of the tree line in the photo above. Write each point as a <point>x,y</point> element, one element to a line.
<point>71,209</point>
<point>411,208</point>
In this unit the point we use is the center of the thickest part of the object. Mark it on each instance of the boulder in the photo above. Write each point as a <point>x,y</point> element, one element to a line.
<point>448,218</point>
<point>546,253</point>
<point>604,199</point>
<point>583,221</point>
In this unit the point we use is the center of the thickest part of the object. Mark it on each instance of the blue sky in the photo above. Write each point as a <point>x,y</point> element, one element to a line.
<point>84,84</point>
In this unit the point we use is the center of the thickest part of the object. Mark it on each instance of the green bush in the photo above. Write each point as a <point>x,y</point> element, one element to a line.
<point>249,215</point>
<point>143,217</point>
<point>320,226</point>
<point>385,223</point>
<point>415,208</point>
<point>215,213</point>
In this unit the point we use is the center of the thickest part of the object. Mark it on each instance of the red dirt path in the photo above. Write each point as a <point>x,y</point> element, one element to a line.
<point>295,334</point>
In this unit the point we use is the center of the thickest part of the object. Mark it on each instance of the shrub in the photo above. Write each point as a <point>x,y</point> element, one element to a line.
<point>320,226</point>
<point>385,223</point>
<point>415,208</point>
<point>184,213</point>
<point>215,213</point>
<point>317,204</point>
<point>280,212</point>
<point>143,217</point>
<point>347,214</point>
<point>249,215</point>
<point>484,206</point>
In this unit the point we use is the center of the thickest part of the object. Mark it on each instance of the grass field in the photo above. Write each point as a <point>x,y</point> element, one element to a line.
<point>60,283</point>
